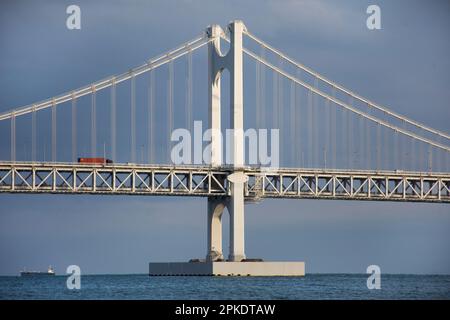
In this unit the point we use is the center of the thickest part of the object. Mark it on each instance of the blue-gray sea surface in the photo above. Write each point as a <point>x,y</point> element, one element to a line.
<point>312,286</point>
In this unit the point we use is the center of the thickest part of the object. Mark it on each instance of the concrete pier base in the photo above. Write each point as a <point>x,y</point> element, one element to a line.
<point>227,268</point>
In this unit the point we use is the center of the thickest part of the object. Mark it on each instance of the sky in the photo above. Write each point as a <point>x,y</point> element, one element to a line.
<point>404,65</point>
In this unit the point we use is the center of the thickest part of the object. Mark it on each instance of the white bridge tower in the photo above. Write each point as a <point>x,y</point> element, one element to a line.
<point>233,62</point>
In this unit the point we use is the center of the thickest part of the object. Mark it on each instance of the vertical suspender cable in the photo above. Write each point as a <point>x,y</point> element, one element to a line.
<point>151,120</point>
<point>437,164</point>
<point>292,117</point>
<point>423,156</point>
<point>315,144</point>
<point>378,149</point>
<point>430,159</point>
<point>33,134</point>
<point>189,93</point>
<point>133,118</point>
<point>385,150</point>
<point>258,106</point>
<point>298,115</point>
<point>327,132</point>
<point>275,101</point>
<point>257,93</point>
<point>309,126</point>
<point>281,115</point>
<point>447,161</point>
<point>113,120</point>
<point>344,152</point>
<point>443,165</point>
<point>444,161</point>
<point>150,116</point>
<point>333,130</point>
<point>74,128</point>
<point>368,143</point>
<point>401,150</point>
<point>93,124</point>
<point>396,150</point>
<point>350,136</point>
<point>54,131</point>
<point>361,138</point>
<point>170,107</point>
<point>13,138</point>
<point>263,92</point>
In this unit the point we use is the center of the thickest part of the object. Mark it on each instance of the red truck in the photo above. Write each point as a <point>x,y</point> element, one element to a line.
<point>94,160</point>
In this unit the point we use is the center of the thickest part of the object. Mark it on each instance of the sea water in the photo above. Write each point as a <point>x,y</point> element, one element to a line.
<point>312,286</point>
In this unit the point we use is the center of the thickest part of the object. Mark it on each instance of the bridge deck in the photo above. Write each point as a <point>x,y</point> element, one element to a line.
<point>205,181</point>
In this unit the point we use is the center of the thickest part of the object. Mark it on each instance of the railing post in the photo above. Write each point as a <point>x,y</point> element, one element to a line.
<point>74,178</point>
<point>13,178</point>
<point>54,179</point>
<point>33,178</point>
<point>404,187</point>
<point>94,179</point>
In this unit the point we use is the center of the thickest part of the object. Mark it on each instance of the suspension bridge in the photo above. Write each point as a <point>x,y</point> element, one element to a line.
<point>333,143</point>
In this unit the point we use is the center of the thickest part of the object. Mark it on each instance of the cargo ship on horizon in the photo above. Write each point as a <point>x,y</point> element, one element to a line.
<point>49,272</point>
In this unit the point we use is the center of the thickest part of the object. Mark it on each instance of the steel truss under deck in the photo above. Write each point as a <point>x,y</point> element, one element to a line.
<point>75,178</point>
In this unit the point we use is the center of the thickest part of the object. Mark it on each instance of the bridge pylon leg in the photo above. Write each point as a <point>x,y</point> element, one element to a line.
<point>216,205</point>
<point>236,209</point>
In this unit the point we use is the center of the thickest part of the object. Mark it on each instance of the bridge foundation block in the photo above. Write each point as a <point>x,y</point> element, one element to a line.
<point>228,268</point>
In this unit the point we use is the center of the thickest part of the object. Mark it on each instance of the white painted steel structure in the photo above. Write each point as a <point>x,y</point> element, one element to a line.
<point>217,62</point>
<point>204,181</point>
